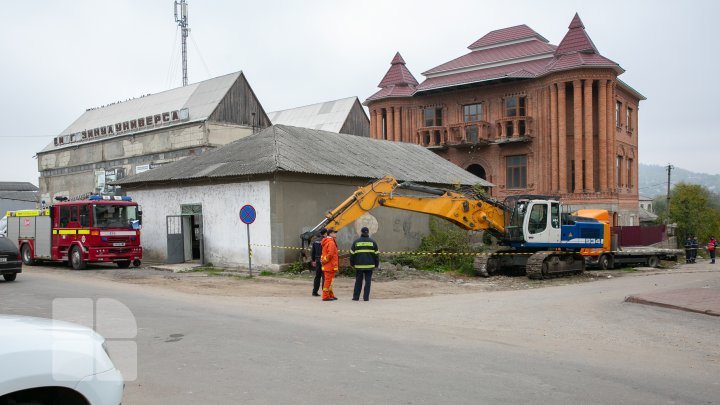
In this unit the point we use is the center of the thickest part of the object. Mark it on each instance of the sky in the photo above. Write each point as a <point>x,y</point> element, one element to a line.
<point>58,59</point>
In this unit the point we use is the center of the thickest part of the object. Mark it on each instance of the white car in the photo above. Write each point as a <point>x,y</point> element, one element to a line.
<point>43,361</point>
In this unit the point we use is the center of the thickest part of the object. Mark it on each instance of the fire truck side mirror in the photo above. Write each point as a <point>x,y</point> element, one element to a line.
<point>140,216</point>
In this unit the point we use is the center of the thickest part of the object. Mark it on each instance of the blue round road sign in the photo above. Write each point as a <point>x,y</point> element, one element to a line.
<point>247,214</point>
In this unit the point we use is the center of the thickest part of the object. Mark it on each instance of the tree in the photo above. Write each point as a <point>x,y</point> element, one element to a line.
<point>694,209</point>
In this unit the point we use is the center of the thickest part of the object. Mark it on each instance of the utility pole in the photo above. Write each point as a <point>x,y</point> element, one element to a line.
<point>667,203</point>
<point>182,22</point>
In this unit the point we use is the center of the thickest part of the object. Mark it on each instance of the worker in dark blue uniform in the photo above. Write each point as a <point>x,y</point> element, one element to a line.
<point>688,250</point>
<point>693,249</point>
<point>364,258</point>
<point>315,257</point>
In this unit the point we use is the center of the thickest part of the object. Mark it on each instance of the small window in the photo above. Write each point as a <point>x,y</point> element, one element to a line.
<point>618,108</point>
<point>555,215</point>
<point>629,119</point>
<point>432,116</point>
<point>515,106</point>
<point>538,218</point>
<point>74,215</point>
<point>472,112</point>
<point>64,216</point>
<point>516,171</point>
<point>471,133</point>
<point>84,216</point>
<point>521,127</point>
<point>629,173</point>
<point>508,129</point>
<point>618,171</point>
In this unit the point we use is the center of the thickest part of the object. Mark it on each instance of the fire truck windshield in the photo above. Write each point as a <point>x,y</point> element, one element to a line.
<point>114,216</point>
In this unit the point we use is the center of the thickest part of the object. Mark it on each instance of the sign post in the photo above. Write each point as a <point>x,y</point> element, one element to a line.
<point>247,216</point>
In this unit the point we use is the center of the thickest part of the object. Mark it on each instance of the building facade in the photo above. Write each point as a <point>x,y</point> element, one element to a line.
<point>110,142</point>
<point>197,200</point>
<point>529,116</point>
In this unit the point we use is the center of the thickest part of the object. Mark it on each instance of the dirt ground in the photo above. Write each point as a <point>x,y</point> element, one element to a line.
<point>388,282</point>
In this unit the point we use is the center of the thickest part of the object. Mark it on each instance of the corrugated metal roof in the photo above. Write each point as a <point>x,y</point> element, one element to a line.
<point>17,186</point>
<point>282,148</point>
<point>327,116</point>
<point>200,99</point>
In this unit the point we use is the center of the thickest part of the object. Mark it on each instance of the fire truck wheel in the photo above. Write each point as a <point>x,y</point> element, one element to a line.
<point>27,257</point>
<point>76,259</point>
<point>124,264</point>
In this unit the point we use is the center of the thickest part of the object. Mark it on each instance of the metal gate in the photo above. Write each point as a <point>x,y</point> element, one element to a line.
<point>175,239</point>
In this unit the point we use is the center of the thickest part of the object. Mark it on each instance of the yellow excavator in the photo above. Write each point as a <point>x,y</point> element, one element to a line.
<point>537,238</point>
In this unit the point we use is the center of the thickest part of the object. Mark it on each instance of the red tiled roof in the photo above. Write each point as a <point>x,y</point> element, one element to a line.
<point>490,60</point>
<point>398,74</point>
<point>515,33</point>
<point>499,54</point>
<point>392,91</point>
<point>576,40</point>
<point>579,59</point>
<point>516,70</point>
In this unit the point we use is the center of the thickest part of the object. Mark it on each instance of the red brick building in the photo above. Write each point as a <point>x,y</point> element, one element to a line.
<point>529,116</point>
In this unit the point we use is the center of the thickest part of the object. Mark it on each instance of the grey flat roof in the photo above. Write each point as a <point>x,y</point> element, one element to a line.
<point>282,148</point>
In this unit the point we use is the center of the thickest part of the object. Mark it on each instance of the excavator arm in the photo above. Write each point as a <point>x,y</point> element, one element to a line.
<point>465,212</point>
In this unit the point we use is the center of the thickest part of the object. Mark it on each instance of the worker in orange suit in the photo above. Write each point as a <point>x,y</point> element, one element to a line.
<point>330,263</point>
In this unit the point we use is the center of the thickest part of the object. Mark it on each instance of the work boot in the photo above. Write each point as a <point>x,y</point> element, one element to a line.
<point>315,294</point>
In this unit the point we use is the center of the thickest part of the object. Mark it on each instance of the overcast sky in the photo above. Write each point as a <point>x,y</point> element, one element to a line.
<point>59,58</point>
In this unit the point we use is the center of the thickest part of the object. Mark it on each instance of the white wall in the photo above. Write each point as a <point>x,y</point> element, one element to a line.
<point>225,236</point>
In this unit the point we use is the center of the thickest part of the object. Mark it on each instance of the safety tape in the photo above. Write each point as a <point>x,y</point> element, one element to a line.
<point>414,253</point>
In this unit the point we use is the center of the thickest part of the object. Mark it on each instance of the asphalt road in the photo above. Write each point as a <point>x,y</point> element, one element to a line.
<point>574,344</point>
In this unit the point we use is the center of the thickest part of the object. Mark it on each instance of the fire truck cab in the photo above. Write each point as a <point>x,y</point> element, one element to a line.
<point>99,229</point>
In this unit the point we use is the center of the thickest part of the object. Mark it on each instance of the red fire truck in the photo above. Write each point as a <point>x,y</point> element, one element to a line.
<point>99,229</point>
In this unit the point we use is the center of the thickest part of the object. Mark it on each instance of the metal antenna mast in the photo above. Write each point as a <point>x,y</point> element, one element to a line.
<point>182,22</point>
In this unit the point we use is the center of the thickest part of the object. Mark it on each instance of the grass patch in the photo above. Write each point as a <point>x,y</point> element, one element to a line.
<point>210,270</point>
<point>266,273</point>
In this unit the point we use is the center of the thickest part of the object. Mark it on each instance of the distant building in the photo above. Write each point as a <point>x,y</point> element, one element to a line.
<point>17,196</point>
<point>344,116</point>
<point>110,142</point>
<point>527,115</point>
<point>193,205</point>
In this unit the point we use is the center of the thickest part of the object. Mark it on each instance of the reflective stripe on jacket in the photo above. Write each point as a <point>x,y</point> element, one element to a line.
<point>364,254</point>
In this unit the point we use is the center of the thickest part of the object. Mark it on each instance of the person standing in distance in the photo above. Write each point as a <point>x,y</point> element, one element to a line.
<point>330,263</point>
<point>688,250</point>
<point>693,249</point>
<point>364,258</point>
<point>712,244</point>
<point>315,257</point>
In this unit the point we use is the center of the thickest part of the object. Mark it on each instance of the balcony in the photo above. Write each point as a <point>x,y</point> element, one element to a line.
<point>514,129</point>
<point>465,134</point>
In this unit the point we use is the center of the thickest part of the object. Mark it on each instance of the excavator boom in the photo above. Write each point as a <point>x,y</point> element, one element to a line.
<point>465,212</point>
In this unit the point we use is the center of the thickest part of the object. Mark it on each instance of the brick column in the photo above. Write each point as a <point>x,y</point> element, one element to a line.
<point>602,135</point>
<point>390,123</point>
<point>373,125</point>
<point>589,149</point>
<point>577,135</point>
<point>553,138</point>
<point>562,139</point>
<point>397,116</point>
<point>611,152</point>
<point>379,124</point>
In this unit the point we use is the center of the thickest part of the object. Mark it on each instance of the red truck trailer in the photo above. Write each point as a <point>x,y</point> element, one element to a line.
<point>99,229</point>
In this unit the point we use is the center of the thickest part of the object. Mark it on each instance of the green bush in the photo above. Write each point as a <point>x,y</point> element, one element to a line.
<point>444,237</point>
<point>296,267</point>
